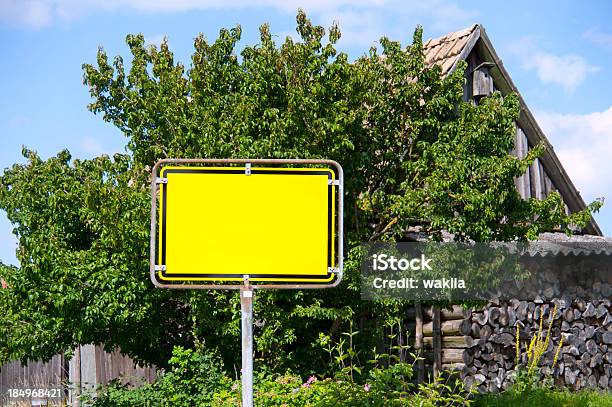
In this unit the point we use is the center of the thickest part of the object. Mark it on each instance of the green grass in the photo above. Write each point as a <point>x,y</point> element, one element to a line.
<point>546,398</point>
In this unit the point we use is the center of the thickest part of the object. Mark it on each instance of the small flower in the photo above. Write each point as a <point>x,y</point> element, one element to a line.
<point>295,390</point>
<point>310,381</point>
<point>235,386</point>
<point>366,387</point>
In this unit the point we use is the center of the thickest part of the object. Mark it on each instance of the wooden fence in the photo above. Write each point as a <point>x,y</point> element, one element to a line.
<point>90,367</point>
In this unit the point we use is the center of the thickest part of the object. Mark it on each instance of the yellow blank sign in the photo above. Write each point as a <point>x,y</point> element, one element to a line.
<point>221,223</point>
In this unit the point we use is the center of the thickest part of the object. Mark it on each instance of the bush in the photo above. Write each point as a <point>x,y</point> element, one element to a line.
<point>288,390</point>
<point>121,395</point>
<point>197,379</point>
<point>192,380</point>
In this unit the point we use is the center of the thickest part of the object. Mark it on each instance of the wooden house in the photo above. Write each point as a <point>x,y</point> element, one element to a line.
<point>480,343</point>
<point>485,74</point>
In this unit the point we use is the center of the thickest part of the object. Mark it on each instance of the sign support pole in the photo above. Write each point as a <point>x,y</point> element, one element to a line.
<point>246,308</point>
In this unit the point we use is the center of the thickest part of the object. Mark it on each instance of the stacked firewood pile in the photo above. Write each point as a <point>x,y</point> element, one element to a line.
<point>584,358</point>
<point>565,298</point>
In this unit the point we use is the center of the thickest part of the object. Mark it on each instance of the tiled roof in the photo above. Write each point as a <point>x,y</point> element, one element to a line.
<point>445,51</point>
<point>555,244</point>
<point>548,243</point>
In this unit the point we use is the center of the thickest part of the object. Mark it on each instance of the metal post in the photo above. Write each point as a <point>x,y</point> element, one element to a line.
<point>246,306</point>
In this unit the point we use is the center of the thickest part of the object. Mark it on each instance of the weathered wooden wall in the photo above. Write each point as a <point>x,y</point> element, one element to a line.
<point>90,367</point>
<point>34,374</point>
<point>535,183</point>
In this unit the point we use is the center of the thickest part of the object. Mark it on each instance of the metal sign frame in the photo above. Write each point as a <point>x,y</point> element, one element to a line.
<point>156,181</point>
<point>247,289</point>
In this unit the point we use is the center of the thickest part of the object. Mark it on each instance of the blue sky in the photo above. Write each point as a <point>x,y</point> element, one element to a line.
<point>558,53</point>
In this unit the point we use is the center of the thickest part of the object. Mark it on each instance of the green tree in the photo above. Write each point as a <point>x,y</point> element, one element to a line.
<point>413,152</point>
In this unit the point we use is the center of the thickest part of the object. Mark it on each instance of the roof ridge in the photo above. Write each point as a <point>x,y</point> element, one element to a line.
<point>453,35</point>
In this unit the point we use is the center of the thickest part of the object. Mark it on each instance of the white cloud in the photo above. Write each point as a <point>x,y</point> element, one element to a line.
<point>598,38</point>
<point>361,21</point>
<point>567,71</point>
<point>29,13</point>
<point>359,27</point>
<point>449,16</point>
<point>583,143</point>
